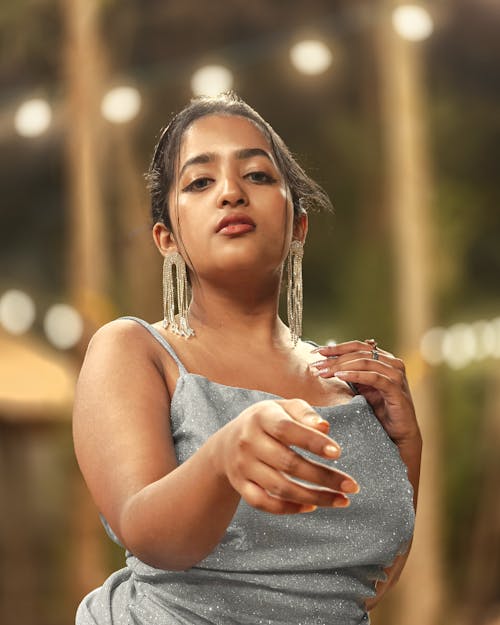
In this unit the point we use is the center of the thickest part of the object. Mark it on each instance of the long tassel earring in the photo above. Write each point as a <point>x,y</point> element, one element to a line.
<point>181,290</point>
<point>294,292</point>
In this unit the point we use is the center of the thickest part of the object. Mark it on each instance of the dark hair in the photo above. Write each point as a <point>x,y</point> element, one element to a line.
<point>306,194</point>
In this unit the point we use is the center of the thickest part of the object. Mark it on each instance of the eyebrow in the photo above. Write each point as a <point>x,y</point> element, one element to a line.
<point>210,157</point>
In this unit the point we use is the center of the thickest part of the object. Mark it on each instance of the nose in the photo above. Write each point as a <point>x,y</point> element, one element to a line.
<point>231,195</point>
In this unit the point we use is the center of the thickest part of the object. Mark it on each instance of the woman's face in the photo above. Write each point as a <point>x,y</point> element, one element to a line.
<point>229,207</point>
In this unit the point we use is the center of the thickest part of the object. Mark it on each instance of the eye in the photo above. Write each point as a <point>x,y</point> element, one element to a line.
<point>260,177</point>
<point>198,184</point>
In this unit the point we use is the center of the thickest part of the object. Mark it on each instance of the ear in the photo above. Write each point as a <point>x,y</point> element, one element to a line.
<point>300,227</point>
<point>164,239</point>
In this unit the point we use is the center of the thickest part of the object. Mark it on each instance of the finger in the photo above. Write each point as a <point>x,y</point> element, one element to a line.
<point>328,366</point>
<point>342,348</point>
<point>387,387</point>
<point>330,361</point>
<point>334,351</point>
<point>257,497</point>
<point>279,485</point>
<point>280,425</point>
<point>302,412</point>
<point>292,464</point>
<point>277,492</point>
<point>364,364</point>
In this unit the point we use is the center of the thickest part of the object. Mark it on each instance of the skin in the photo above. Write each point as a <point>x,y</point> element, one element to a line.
<point>157,508</point>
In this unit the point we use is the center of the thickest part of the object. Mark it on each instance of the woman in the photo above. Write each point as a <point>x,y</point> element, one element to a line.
<point>205,439</point>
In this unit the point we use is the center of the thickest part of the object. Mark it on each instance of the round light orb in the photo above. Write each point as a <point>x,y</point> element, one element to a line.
<point>211,80</point>
<point>412,22</point>
<point>311,57</point>
<point>63,326</point>
<point>121,104</point>
<point>495,325</point>
<point>431,346</point>
<point>486,338</point>
<point>459,345</point>
<point>17,311</point>
<point>33,118</point>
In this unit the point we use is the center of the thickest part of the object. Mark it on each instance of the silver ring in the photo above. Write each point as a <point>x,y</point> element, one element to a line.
<point>375,354</point>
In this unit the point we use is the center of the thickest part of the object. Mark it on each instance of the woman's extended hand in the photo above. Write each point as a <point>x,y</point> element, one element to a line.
<point>383,382</point>
<point>254,453</point>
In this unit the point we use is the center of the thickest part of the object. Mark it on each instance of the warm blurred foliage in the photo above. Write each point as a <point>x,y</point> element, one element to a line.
<point>74,227</point>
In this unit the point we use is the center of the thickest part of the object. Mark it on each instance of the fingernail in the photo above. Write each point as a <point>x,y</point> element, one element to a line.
<point>310,508</point>
<point>319,372</point>
<point>317,363</point>
<point>348,486</point>
<point>341,502</point>
<point>331,450</point>
<point>312,420</point>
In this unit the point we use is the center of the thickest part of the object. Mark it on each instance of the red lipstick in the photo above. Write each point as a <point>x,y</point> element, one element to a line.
<point>235,223</point>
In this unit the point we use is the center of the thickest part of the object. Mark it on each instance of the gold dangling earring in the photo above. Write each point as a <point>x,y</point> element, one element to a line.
<point>181,289</point>
<point>294,292</point>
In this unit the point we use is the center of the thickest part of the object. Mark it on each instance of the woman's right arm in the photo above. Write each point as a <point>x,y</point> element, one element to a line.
<point>172,516</point>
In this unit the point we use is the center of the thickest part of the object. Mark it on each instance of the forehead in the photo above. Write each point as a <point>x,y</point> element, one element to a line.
<point>221,133</point>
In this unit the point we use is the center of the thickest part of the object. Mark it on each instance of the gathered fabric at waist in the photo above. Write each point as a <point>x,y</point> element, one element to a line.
<point>206,596</point>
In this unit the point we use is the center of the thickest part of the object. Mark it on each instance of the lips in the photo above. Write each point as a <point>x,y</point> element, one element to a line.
<point>236,223</point>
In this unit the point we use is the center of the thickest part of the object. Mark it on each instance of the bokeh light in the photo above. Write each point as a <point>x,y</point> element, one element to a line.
<point>495,324</point>
<point>33,118</point>
<point>459,345</point>
<point>63,326</point>
<point>431,345</point>
<point>121,104</point>
<point>17,311</point>
<point>211,80</point>
<point>311,57</point>
<point>412,22</point>
<point>486,339</point>
<point>462,343</point>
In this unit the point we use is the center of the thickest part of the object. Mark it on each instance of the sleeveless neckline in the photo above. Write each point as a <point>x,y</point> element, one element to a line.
<point>156,334</point>
<point>258,391</point>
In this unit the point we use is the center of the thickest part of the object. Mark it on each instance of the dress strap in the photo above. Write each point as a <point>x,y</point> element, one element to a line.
<point>353,387</point>
<point>161,339</point>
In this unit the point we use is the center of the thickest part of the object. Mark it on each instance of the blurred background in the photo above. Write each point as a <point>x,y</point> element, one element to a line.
<point>393,107</point>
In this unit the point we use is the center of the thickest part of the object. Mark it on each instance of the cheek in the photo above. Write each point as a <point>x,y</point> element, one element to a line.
<point>182,216</point>
<point>286,199</point>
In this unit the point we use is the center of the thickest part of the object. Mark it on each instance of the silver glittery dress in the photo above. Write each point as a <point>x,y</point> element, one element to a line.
<point>309,569</point>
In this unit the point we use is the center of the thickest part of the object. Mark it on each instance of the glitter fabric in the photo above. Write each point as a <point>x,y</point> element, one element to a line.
<point>307,569</point>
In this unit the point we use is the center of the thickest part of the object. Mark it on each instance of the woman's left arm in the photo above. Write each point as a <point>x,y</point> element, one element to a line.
<point>381,378</point>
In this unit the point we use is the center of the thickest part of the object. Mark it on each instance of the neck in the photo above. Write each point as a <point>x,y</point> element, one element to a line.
<point>239,314</point>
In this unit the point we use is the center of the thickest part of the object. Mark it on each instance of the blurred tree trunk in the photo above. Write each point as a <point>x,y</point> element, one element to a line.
<point>88,245</point>
<point>19,598</point>
<point>419,598</point>
<point>480,603</point>
<point>137,256</point>
<point>88,241</point>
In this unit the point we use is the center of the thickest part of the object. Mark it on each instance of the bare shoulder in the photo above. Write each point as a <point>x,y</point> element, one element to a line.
<point>119,334</point>
<point>121,425</point>
<point>121,363</point>
<point>125,344</point>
